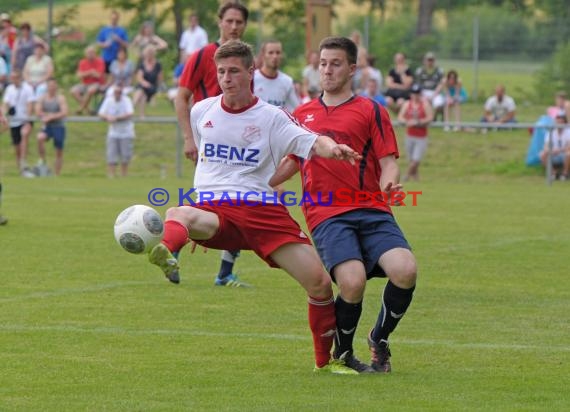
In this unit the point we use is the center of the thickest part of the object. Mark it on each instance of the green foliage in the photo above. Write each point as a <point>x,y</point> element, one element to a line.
<point>555,75</point>
<point>501,33</point>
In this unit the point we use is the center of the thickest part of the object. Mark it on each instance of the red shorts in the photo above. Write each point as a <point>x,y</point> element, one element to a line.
<point>261,228</point>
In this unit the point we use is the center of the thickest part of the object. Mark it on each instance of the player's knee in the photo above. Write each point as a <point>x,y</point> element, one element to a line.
<point>352,289</point>
<point>320,285</point>
<point>405,274</point>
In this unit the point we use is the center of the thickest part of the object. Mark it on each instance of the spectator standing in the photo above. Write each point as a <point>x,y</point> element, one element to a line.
<point>91,73</point>
<point>110,39</point>
<point>52,109</point>
<point>416,114</point>
<point>499,108</point>
<point>38,69</point>
<point>193,38</point>
<point>149,78</point>
<point>18,103</point>
<point>147,37</point>
<point>398,82</point>
<point>117,110</point>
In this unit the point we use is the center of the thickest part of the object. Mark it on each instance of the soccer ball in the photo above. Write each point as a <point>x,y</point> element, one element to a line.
<point>138,229</point>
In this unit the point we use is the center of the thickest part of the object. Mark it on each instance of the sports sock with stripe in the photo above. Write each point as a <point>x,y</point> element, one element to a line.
<point>347,317</point>
<point>395,302</point>
<point>323,325</point>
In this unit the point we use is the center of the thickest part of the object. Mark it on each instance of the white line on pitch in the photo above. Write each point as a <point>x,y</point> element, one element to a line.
<point>277,336</point>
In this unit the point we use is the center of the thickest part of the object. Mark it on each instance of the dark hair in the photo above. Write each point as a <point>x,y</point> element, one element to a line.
<point>123,49</point>
<point>341,43</point>
<point>233,5</point>
<point>452,73</point>
<point>235,48</point>
<point>25,26</point>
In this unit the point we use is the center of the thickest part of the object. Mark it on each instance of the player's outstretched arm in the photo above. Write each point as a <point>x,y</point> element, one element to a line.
<point>326,147</point>
<point>286,169</point>
<point>182,104</point>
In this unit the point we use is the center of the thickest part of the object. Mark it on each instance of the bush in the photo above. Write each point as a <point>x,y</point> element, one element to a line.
<point>554,76</point>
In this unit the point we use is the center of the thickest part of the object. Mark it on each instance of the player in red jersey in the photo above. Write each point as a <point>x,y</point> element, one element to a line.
<point>360,240</point>
<point>199,81</point>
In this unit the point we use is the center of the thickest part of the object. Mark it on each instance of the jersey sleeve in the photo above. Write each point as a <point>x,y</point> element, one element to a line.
<point>382,133</point>
<point>195,114</point>
<point>192,72</point>
<point>288,137</point>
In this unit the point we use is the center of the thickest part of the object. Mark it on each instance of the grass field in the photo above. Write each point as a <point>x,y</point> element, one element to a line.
<point>85,326</point>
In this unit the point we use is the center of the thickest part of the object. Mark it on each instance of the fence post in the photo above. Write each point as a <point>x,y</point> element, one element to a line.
<point>549,158</point>
<point>475,57</point>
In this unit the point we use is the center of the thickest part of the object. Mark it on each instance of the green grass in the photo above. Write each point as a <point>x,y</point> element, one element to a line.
<point>85,326</point>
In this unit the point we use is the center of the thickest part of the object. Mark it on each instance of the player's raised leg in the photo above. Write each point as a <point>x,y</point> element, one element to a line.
<point>181,224</point>
<point>303,264</point>
<point>399,265</point>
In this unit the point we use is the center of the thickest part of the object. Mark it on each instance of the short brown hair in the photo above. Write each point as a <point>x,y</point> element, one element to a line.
<point>233,4</point>
<point>235,48</point>
<point>341,43</point>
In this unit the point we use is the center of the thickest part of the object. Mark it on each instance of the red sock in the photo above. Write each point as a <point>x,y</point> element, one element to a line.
<point>322,321</point>
<point>175,235</point>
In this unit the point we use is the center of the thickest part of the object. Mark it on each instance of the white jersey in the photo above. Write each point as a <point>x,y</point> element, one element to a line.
<point>239,151</point>
<point>278,91</point>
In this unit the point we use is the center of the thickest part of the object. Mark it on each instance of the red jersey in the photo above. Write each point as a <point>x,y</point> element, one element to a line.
<point>97,64</point>
<point>331,186</point>
<point>200,73</point>
<point>416,112</point>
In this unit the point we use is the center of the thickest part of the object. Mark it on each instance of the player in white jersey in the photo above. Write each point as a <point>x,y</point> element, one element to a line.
<point>276,88</point>
<point>241,141</point>
<point>270,83</point>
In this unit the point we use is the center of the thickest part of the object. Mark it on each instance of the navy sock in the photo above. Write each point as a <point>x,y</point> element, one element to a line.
<point>227,264</point>
<point>347,317</point>
<point>395,302</point>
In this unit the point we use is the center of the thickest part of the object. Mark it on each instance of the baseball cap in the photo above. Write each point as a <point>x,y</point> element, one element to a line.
<point>416,88</point>
<point>429,56</point>
<point>4,16</point>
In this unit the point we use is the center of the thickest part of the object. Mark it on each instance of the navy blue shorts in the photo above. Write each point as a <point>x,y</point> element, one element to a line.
<point>363,234</point>
<point>58,134</point>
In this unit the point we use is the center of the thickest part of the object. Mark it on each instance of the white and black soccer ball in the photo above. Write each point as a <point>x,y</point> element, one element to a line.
<point>138,229</point>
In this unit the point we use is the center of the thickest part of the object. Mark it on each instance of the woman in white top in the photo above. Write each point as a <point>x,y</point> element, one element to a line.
<point>38,69</point>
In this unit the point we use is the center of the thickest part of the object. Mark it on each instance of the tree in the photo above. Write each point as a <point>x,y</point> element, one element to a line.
<point>425,16</point>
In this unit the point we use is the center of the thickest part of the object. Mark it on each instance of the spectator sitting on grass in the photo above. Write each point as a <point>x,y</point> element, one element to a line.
<point>560,153</point>
<point>455,95</point>
<point>561,104</point>
<point>500,108</point>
